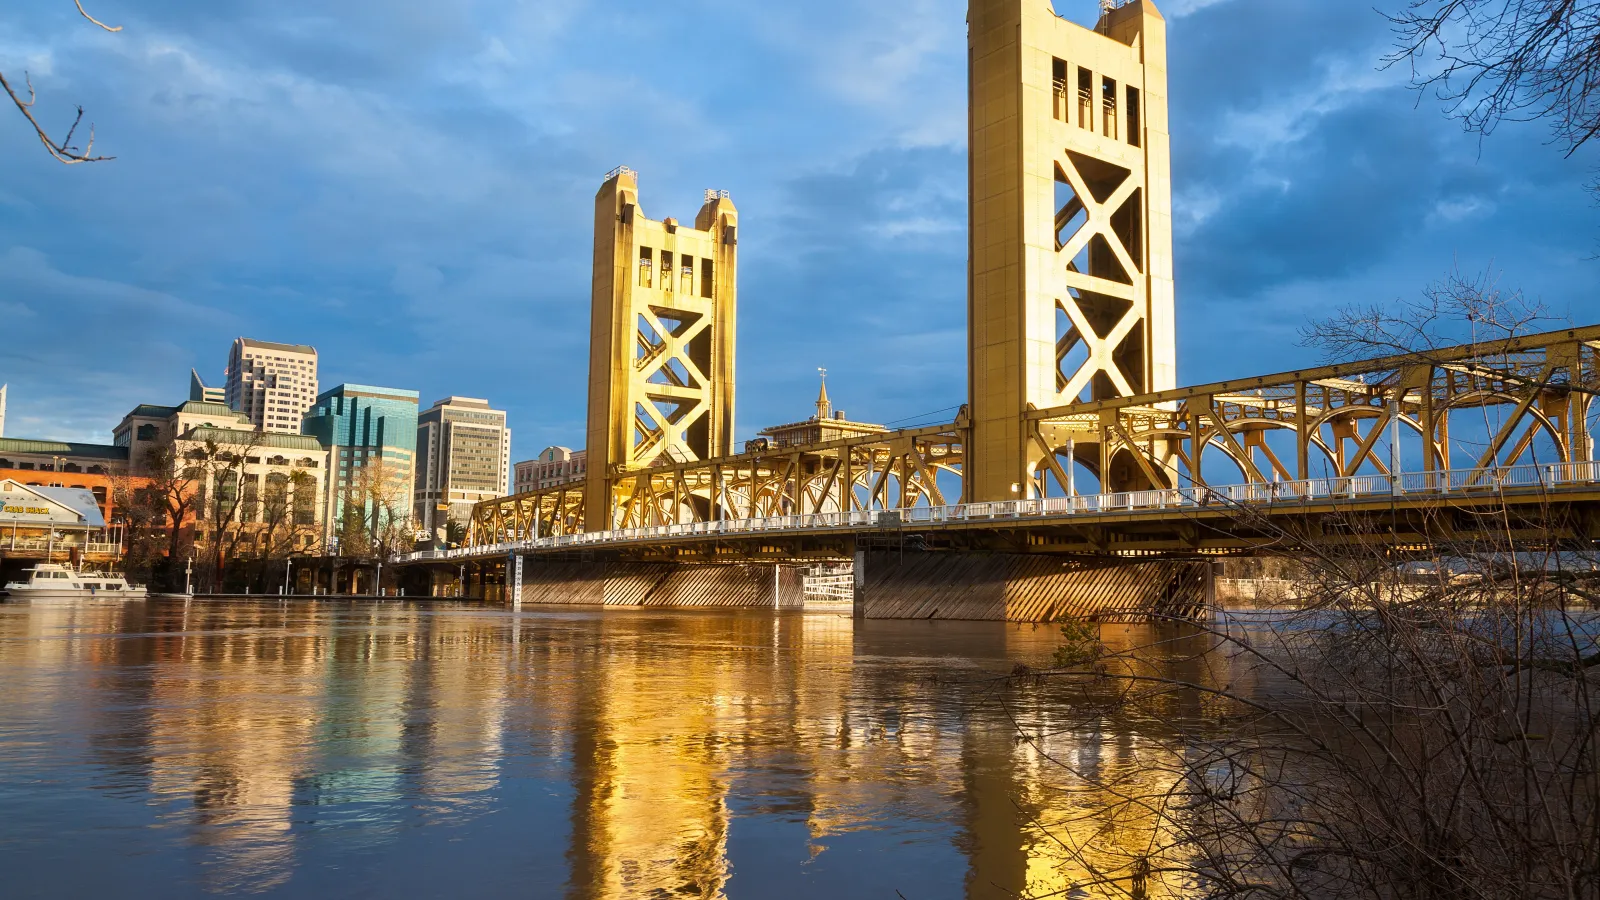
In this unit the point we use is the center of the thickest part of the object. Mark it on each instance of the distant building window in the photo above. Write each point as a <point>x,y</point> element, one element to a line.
<point>148,432</point>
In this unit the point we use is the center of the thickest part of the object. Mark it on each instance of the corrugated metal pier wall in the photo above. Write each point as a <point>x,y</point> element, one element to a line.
<point>611,583</point>
<point>995,587</point>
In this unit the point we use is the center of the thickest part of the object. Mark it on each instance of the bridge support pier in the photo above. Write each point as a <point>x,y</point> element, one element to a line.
<point>891,584</point>
<point>602,582</point>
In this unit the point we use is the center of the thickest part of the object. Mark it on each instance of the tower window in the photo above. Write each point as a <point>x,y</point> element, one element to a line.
<point>1135,126</point>
<point>666,270</point>
<point>1060,99</point>
<point>1108,100</point>
<point>708,278</point>
<point>645,277</point>
<point>1085,98</point>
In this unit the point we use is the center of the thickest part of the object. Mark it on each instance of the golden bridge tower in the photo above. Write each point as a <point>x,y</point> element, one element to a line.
<point>662,334</point>
<point>1070,271</point>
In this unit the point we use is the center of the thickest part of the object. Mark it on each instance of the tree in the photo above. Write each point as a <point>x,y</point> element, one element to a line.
<point>144,520</point>
<point>1498,60</point>
<point>227,499</point>
<point>63,150</point>
<point>162,508</point>
<point>374,522</point>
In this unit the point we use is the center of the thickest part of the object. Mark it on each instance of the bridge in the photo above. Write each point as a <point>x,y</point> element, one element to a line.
<point>1078,478</point>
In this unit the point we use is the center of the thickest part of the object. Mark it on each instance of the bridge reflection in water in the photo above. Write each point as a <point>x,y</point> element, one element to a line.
<point>327,749</point>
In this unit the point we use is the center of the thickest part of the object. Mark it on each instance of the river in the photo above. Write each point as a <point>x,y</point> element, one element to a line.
<point>396,750</point>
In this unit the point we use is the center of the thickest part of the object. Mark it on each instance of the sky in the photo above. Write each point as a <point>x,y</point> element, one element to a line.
<point>408,186</point>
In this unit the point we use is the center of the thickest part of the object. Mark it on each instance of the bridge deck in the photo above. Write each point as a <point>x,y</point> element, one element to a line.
<point>1210,514</point>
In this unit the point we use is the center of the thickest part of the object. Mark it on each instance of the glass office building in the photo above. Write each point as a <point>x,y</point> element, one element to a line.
<point>371,434</point>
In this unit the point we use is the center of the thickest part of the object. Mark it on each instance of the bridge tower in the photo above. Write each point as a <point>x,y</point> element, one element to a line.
<point>661,340</point>
<point>1070,291</point>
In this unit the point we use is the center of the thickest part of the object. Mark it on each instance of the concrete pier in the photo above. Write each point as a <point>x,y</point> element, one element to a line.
<point>1015,588</point>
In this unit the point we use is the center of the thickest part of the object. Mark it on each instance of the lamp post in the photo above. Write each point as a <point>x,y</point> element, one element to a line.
<point>188,577</point>
<point>288,566</point>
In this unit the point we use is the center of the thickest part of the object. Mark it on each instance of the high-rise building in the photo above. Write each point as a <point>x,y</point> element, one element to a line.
<point>371,435</point>
<point>554,466</point>
<point>463,458</point>
<point>199,392</point>
<point>273,385</point>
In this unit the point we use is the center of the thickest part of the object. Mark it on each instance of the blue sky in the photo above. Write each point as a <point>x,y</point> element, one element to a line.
<point>408,185</point>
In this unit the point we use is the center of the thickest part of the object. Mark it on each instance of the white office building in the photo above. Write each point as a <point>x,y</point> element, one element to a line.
<point>463,459</point>
<point>272,385</point>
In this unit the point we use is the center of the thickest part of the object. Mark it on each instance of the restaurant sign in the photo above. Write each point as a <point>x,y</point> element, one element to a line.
<point>25,505</point>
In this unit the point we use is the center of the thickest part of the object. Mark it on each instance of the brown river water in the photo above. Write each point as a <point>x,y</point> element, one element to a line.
<point>338,749</point>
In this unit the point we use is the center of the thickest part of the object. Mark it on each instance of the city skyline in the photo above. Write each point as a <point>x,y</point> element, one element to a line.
<point>1305,180</point>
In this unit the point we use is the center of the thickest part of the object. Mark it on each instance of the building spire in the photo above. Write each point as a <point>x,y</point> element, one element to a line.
<point>824,408</point>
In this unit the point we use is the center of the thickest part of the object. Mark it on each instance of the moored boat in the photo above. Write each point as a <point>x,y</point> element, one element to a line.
<point>53,581</point>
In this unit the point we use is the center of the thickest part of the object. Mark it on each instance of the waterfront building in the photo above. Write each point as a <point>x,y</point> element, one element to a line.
<point>198,390</point>
<point>827,425</point>
<point>370,434</point>
<point>273,385</point>
<point>95,468</point>
<point>258,486</point>
<point>553,466</point>
<point>52,523</point>
<point>463,458</point>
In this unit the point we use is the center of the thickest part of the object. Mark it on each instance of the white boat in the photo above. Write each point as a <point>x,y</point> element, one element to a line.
<point>53,581</point>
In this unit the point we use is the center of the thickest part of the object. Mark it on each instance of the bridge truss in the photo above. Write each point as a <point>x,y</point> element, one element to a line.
<point>1508,403</point>
<point>1469,409</point>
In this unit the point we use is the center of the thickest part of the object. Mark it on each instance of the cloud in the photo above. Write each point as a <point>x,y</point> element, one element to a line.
<point>409,185</point>
<point>80,350</point>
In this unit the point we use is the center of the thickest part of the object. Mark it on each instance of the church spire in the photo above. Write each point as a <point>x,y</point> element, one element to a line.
<point>824,408</point>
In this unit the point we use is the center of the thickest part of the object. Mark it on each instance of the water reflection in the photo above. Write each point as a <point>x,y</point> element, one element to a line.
<point>296,748</point>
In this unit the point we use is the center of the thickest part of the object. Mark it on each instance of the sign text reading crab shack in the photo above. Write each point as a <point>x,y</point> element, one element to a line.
<point>25,510</point>
<point>24,507</point>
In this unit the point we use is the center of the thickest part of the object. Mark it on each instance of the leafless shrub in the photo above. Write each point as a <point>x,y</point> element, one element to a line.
<point>1500,60</point>
<point>1459,308</point>
<point>1420,722</point>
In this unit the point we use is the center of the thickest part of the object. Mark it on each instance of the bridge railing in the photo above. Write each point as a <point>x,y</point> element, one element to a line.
<point>1467,482</point>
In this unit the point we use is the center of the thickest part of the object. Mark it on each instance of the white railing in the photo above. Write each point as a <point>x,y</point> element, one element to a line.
<point>1465,482</point>
<point>61,547</point>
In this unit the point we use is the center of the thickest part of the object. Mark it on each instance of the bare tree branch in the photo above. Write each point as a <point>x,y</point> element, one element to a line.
<point>63,149</point>
<point>1498,60</point>
<point>86,15</point>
